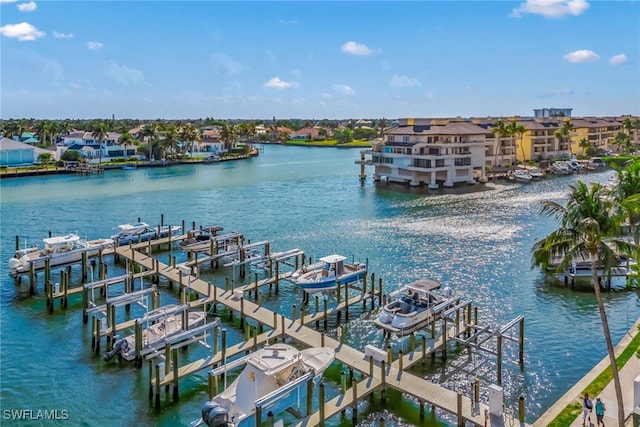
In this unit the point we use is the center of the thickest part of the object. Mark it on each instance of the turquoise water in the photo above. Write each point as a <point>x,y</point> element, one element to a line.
<point>477,240</point>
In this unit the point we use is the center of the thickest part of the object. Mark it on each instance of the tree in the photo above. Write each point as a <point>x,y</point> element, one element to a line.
<point>623,141</point>
<point>499,131</point>
<point>515,129</point>
<point>148,134</point>
<point>629,185</point>
<point>382,125</point>
<point>99,131</point>
<point>228,136</point>
<point>564,133</point>
<point>45,158</point>
<point>587,225</point>
<point>188,134</point>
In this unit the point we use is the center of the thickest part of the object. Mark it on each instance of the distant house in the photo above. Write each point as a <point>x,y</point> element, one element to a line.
<point>211,139</point>
<point>15,153</point>
<point>363,123</point>
<point>29,138</point>
<point>307,134</point>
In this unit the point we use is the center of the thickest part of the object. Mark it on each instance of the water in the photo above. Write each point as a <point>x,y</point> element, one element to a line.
<point>475,240</point>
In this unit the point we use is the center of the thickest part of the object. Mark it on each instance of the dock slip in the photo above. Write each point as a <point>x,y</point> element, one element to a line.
<point>376,372</point>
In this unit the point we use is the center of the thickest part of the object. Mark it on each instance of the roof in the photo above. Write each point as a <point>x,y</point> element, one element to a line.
<point>10,144</point>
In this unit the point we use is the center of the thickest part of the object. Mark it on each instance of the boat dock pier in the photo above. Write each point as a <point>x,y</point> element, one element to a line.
<point>370,370</point>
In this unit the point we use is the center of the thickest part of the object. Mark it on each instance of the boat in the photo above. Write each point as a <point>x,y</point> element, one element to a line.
<point>327,273</point>
<point>141,232</point>
<point>212,159</point>
<point>521,175</point>
<point>274,379</point>
<point>59,250</point>
<point>414,306</point>
<point>168,322</point>
<point>199,240</point>
<point>130,166</point>
<point>536,173</point>
<point>560,168</point>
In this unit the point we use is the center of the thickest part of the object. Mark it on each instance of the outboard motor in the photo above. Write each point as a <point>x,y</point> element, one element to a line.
<point>119,346</point>
<point>215,415</point>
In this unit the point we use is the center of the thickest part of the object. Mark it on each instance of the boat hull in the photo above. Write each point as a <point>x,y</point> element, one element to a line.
<point>315,283</point>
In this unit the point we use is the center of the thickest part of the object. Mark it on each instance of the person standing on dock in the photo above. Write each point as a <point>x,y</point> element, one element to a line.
<point>600,408</point>
<point>587,407</point>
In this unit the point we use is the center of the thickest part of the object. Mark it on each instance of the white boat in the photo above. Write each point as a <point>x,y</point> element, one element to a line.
<point>274,379</point>
<point>560,168</point>
<point>327,273</point>
<point>199,240</point>
<point>536,173</point>
<point>168,322</point>
<point>141,232</point>
<point>59,250</point>
<point>414,306</point>
<point>521,175</point>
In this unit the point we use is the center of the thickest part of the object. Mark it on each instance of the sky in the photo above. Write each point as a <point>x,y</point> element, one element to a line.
<point>317,60</point>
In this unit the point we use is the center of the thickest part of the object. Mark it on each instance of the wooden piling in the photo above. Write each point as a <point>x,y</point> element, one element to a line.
<point>383,390</point>
<point>499,360</point>
<point>354,404</point>
<point>321,403</point>
<point>459,413</point>
<point>521,345</point>
<point>174,363</point>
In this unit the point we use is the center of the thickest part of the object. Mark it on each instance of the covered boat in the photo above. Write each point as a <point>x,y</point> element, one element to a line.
<point>330,270</point>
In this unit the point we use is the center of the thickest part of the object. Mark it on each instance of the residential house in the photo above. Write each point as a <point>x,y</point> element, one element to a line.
<point>16,153</point>
<point>307,134</point>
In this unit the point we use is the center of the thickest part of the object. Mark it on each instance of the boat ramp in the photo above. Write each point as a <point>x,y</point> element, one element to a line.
<point>370,370</point>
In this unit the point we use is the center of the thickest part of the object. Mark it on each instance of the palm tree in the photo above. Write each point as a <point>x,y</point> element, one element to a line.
<point>564,133</point>
<point>629,185</point>
<point>515,129</point>
<point>148,134</point>
<point>99,131</point>
<point>127,140</point>
<point>586,226</point>
<point>170,141</point>
<point>499,130</point>
<point>228,136</point>
<point>382,125</point>
<point>188,134</point>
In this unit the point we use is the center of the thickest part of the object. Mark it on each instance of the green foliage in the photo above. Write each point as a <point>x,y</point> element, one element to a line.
<point>45,158</point>
<point>71,156</point>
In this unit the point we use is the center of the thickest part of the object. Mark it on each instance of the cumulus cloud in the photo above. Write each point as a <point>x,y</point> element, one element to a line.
<point>23,32</point>
<point>94,45</point>
<point>403,81</point>
<point>354,48</point>
<point>551,8</point>
<point>224,64</point>
<point>618,59</point>
<point>276,83</point>
<point>581,56</point>
<point>123,74</point>
<point>62,35</point>
<point>27,7</point>
<point>344,89</point>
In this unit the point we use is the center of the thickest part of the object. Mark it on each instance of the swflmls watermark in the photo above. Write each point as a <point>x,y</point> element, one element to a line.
<point>35,414</point>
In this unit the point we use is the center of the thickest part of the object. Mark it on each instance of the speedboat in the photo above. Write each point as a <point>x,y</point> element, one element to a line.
<point>414,306</point>
<point>168,322</point>
<point>141,232</point>
<point>59,250</point>
<point>199,240</point>
<point>536,173</point>
<point>560,168</point>
<point>274,379</point>
<point>331,270</point>
<point>521,175</point>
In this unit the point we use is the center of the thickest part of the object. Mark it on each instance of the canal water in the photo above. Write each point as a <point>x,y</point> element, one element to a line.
<point>476,240</point>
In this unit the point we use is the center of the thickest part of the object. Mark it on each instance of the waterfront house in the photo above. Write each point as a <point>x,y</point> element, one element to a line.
<point>16,153</point>
<point>430,151</point>
<point>307,134</point>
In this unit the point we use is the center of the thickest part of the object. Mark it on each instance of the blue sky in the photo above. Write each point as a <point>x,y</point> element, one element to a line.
<point>335,60</point>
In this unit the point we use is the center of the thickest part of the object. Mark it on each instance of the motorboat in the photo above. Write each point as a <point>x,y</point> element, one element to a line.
<point>59,250</point>
<point>560,168</point>
<point>199,240</point>
<point>574,165</point>
<point>162,323</point>
<point>327,273</point>
<point>536,173</point>
<point>414,306</point>
<point>521,175</point>
<point>141,232</point>
<point>274,379</point>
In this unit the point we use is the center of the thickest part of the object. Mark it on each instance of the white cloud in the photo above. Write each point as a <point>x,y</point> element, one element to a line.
<point>8,1</point>
<point>23,31</point>
<point>403,81</point>
<point>94,45</point>
<point>27,7</point>
<point>347,90</point>
<point>123,74</point>
<point>551,8</point>
<point>618,59</point>
<point>276,83</point>
<point>62,35</point>
<point>354,48</point>
<point>224,64</point>
<point>581,56</point>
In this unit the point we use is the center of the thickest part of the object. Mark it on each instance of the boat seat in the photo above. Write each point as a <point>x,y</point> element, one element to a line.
<point>405,308</point>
